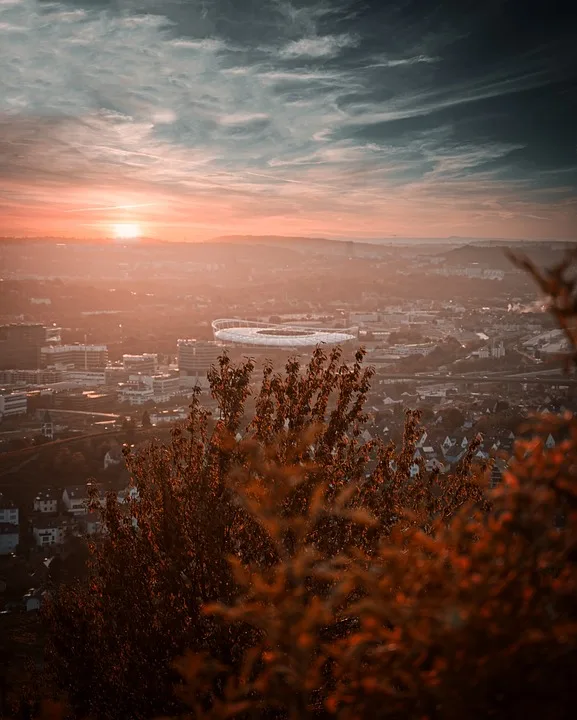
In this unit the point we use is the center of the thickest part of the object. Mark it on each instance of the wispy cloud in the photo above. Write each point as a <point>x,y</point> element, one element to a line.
<point>317,47</point>
<point>180,114</point>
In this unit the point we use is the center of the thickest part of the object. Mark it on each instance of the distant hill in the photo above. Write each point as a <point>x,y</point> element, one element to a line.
<point>324,246</point>
<point>492,255</point>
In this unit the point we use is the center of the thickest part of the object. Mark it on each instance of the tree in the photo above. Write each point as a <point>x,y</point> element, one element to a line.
<point>194,512</point>
<point>302,573</point>
<point>453,418</point>
<point>146,423</point>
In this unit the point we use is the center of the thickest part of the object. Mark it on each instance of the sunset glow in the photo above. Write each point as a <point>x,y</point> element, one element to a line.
<point>126,231</point>
<point>295,118</point>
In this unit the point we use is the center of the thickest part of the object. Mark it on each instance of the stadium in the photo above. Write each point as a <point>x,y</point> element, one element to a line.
<point>247,332</point>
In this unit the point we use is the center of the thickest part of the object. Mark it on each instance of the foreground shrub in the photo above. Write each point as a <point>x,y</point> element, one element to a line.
<point>280,567</point>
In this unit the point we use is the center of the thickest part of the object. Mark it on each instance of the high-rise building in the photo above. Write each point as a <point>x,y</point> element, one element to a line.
<point>78,356</point>
<point>195,357</point>
<point>20,345</point>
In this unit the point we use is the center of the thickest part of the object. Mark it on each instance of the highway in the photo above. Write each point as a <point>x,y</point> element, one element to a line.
<point>86,413</point>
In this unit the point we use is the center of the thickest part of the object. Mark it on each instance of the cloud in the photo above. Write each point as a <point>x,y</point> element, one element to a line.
<point>174,110</point>
<point>317,47</point>
<point>400,62</point>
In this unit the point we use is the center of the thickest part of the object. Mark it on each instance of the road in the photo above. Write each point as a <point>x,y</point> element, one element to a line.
<point>443,379</point>
<point>86,413</point>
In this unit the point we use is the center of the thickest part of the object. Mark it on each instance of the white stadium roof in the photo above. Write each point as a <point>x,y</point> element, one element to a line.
<point>247,332</point>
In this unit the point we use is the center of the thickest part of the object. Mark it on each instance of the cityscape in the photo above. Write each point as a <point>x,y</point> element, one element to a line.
<point>81,360</point>
<point>288,360</point>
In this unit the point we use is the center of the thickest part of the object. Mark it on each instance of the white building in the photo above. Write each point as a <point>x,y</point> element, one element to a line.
<point>47,531</point>
<point>164,385</point>
<point>135,393</point>
<point>46,502</point>
<point>406,350</point>
<point>76,499</point>
<point>12,403</point>
<point>9,513</point>
<point>85,378</point>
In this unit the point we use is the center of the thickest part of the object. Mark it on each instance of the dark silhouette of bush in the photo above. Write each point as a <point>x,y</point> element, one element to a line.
<point>283,568</point>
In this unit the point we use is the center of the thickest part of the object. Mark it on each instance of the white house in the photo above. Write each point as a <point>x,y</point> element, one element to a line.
<point>9,513</point>
<point>77,498</point>
<point>47,531</point>
<point>46,502</point>
<point>113,457</point>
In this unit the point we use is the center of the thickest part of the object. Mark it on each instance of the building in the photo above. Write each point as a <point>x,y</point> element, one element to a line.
<point>146,364</point>
<point>33,600</point>
<point>30,377</point>
<point>196,357</point>
<point>9,538</point>
<point>135,393</point>
<point>76,499</point>
<point>78,356</point>
<point>47,531</point>
<point>164,387</point>
<point>249,333</point>
<point>12,403</point>
<point>85,378</point>
<point>20,345</point>
<point>9,513</point>
<point>168,417</point>
<point>46,502</point>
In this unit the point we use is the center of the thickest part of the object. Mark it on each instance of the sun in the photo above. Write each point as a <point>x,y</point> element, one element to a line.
<point>126,231</point>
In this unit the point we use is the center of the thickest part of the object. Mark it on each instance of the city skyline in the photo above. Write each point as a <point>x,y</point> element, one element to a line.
<point>333,119</point>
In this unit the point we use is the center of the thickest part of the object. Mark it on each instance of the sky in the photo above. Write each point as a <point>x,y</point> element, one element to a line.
<point>189,119</point>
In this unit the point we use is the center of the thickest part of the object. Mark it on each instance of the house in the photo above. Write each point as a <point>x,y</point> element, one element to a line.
<point>447,444</point>
<point>550,442</point>
<point>46,502</point>
<point>9,537</point>
<point>9,513</point>
<point>33,600</point>
<point>423,439</point>
<point>48,531</point>
<point>113,457</point>
<point>75,499</point>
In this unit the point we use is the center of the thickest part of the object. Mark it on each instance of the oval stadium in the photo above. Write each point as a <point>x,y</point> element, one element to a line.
<point>248,332</point>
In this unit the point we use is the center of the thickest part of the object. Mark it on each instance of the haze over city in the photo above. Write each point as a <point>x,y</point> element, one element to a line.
<point>188,120</point>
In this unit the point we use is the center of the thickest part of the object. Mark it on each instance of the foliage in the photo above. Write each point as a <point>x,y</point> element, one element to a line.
<point>168,555</point>
<point>280,567</point>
